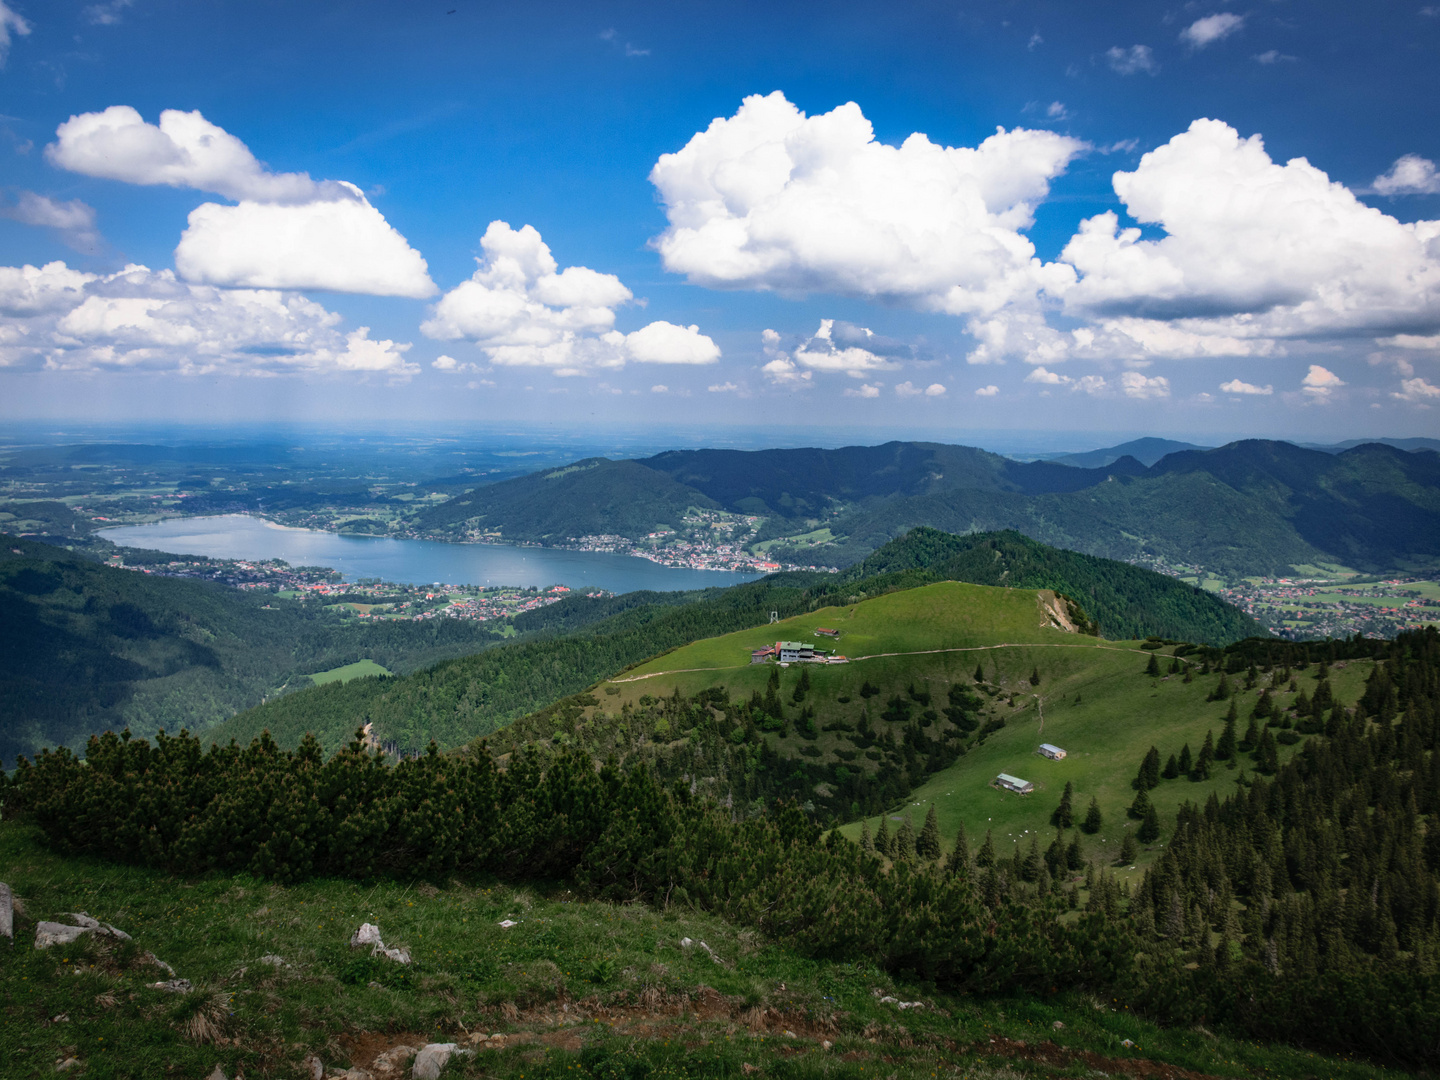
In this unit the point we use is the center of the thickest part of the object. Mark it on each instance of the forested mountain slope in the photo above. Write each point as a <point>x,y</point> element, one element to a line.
<point>461,699</point>
<point>1251,507</point>
<point>86,647</point>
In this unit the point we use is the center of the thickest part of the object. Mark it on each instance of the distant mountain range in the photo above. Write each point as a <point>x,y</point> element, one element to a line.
<point>1250,507</point>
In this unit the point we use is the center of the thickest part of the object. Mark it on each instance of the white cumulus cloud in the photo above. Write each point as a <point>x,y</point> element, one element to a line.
<point>1252,250</point>
<point>1418,392</point>
<point>1320,382</point>
<point>1236,386</point>
<point>909,389</point>
<point>722,388</point>
<point>288,231</point>
<point>866,391</point>
<point>140,319</point>
<point>1211,28</point>
<point>1131,61</point>
<point>183,150</point>
<point>340,245</point>
<point>773,199</point>
<point>987,391</point>
<point>1410,175</point>
<point>10,23</point>
<point>524,311</point>
<point>1137,385</point>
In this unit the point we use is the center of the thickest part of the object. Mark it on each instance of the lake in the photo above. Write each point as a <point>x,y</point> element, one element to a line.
<point>415,562</point>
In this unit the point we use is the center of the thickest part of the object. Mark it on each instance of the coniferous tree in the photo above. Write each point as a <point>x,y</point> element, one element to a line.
<point>1206,758</point>
<point>1226,747</point>
<point>1174,665</point>
<point>1189,674</point>
<point>1187,761</point>
<point>1267,755</point>
<point>1074,853</point>
<point>904,842</point>
<point>1251,739</point>
<point>927,844</point>
<point>1140,806</point>
<point>802,687</point>
<point>1035,676</point>
<point>1152,669</point>
<point>1149,776</point>
<point>883,842</point>
<point>1031,865</point>
<point>1094,820</point>
<point>1172,768</point>
<point>1064,814</point>
<point>979,673</point>
<point>985,857</point>
<point>1149,828</point>
<point>867,842</point>
<point>1128,850</point>
<point>1222,689</point>
<point>958,864</point>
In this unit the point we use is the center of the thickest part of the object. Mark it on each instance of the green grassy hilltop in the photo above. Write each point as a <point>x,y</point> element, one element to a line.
<point>905,724</point>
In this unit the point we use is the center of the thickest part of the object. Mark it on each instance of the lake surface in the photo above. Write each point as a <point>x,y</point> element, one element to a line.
<point>416,562</point>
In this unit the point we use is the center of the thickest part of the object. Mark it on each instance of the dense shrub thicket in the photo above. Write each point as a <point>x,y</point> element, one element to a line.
<point>1304,907</point>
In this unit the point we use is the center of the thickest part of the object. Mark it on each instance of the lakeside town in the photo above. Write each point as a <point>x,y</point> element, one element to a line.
<point>367,598</point>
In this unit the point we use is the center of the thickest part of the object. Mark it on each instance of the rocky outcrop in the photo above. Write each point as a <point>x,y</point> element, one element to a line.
<point>49,934</point>
<point>433,1057</point>
<point>369,934</point>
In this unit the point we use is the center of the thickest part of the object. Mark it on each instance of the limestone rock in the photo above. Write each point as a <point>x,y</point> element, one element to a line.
<point>392,1062</point>
<point>432,1058</point>
<point>69,1063</point>
<point>368,934</point>
<point>48,934</point>
<point>314,1067</point>
<point>218,1074</point>
<point>7,912</point>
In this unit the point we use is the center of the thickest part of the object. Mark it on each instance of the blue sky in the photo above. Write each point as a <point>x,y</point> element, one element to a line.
<point>324,168</point>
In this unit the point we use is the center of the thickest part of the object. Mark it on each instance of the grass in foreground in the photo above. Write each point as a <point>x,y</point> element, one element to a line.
<point>580,989</point>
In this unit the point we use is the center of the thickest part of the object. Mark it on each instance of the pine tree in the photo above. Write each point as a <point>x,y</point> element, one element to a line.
<point>1222,689</point>
<point>1201,770</point>
<point>927,845</point>
<point>1225,748</point>
<point>1150,827</point>
<point>958,864</point>
<point>1267,755</point>
<point>905,842</point>
<point>1149,776</point>
<point>979,673</point>
<point>883,843</point>
<point>1189,674</point>
<point>1172,769</point>
<point>1152,669</point>
<point>867,843</point>
<point>1035,676</point>
<point>1064,814</point>
<point>1074,853</point>
<point>1174,665</point>
<point>1140,806</point>
<point>1093,818</point>
<point>1128,850</point>
<point>985,857</point>
<point>1031,864</point>
<point>1187,762</point>
<point>1251,739</point>
<point>802,687</point>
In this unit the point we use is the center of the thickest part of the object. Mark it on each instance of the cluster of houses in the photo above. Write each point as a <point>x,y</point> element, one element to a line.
<point>1006,782</point>
<point>796,652</point>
